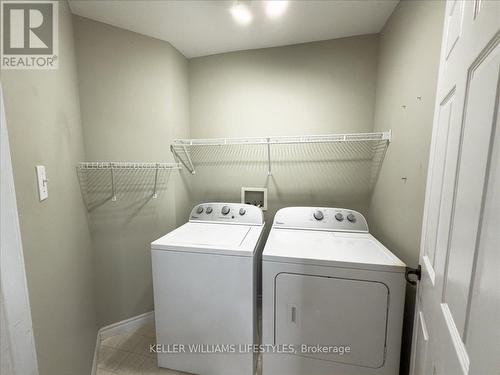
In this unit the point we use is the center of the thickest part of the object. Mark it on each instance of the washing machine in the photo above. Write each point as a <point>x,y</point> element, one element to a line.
<point>333,296</point>
<point>205,282</point>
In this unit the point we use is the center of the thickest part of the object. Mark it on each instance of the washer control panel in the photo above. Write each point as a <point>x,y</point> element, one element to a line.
<point>321,218</point>
<point>227,212</point>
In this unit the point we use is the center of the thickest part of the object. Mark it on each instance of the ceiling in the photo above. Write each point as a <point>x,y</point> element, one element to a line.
<point>206,27</point>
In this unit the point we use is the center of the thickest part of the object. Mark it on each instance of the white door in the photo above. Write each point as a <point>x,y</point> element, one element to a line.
<point>457,323</point>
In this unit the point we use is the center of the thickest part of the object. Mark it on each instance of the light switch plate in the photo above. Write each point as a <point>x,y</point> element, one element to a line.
<point>43,189</point>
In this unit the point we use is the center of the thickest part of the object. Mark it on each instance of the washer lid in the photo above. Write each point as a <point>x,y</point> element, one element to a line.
<point>334,249</point>
<point>212,238</point>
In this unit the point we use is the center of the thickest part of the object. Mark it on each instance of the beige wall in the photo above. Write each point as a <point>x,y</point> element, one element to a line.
<point>43,119</point>
<point>134,100</point>
<point>312,88</point>
<point>407,69</point>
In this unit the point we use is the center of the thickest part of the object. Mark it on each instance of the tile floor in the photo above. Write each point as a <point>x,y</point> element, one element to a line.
<point>128,354</point>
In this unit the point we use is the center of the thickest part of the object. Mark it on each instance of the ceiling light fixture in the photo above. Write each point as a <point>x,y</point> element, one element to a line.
<point>241,13</point>
<point>276,8</point>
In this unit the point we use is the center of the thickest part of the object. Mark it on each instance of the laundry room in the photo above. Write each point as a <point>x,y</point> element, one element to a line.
<point>249,187</point>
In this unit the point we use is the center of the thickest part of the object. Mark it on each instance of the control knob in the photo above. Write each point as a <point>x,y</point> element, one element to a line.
<point>199,210</point>
<point>242,211</point>
<point>208,210</point>
<point>225,210</point>
<point>339,216</point>
<point>351,218</point>
<point>318,215</point>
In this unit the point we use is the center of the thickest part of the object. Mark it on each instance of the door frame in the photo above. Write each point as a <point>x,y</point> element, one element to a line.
<point>17,329</point>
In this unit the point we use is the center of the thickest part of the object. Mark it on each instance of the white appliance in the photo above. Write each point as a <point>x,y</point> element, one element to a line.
<point>204,280</point>
<point>330,285</point>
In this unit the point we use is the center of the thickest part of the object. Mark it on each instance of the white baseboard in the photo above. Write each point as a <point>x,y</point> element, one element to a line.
<point>126,325</point>
<point>118,328</point>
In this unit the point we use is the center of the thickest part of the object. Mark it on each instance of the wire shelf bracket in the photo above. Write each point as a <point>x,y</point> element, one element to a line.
<point>185,159</point>
<point>183,149</point>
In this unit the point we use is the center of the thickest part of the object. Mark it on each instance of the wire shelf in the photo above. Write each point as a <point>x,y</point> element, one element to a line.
<point>103,181</point>
<point>127,165</point>
<point>326,138</point>
<point>284,150</point>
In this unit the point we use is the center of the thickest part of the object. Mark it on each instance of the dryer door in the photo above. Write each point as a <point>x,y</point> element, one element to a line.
<point>333,313</point>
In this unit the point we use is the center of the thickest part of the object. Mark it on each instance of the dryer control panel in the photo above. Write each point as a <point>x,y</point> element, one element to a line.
<point>237,213</point>
<point>320,218</point>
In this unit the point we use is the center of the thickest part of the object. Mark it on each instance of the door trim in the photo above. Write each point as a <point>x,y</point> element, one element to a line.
<point>18,332</point>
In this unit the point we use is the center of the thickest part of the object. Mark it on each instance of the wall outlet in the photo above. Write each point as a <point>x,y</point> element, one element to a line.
<point>254,196</point>
<point>43,189</point>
